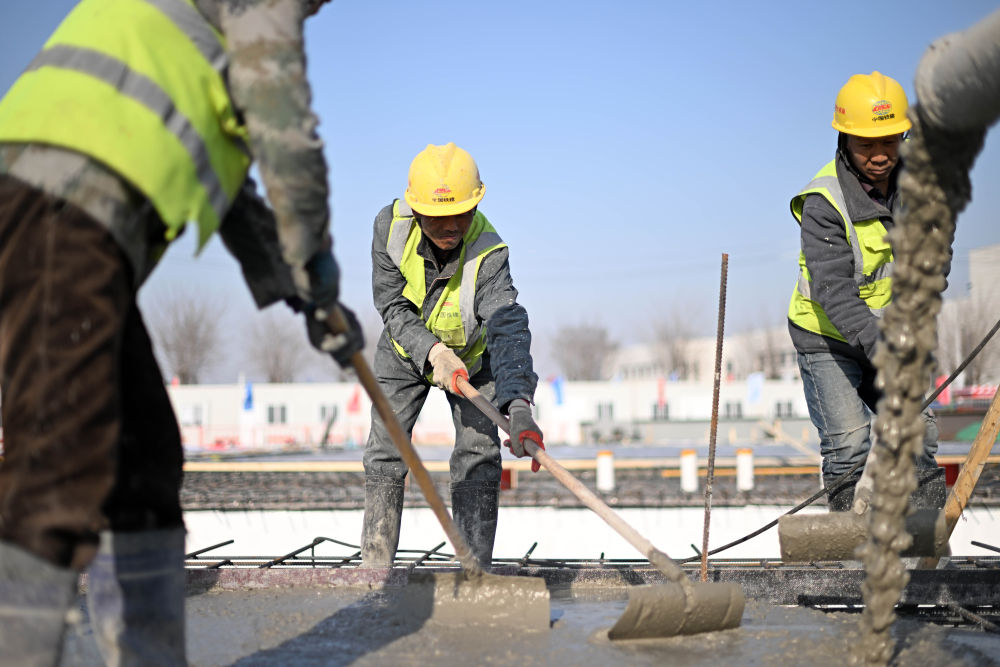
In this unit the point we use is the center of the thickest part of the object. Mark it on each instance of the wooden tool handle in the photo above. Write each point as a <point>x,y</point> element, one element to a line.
<point>577,488</point>
<point>972,468</point>
<point>337,323</point>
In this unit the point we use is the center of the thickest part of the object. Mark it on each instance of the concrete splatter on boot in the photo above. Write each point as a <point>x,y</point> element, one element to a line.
<point>475,506</point>
<point>35,597</point>
<point>931,490</point>
<point>841,500</point>
<point>135,597</point>
<point>380,530</point>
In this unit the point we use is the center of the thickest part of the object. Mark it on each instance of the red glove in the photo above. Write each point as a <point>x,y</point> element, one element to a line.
<point>523,427</point>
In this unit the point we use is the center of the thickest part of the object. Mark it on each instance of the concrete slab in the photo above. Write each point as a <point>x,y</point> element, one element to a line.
<point>306,623</point>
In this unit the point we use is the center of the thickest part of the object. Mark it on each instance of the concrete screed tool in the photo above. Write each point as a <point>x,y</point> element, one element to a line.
<point>471,596</point>
<point>835,535</point>
<point>680,607</point>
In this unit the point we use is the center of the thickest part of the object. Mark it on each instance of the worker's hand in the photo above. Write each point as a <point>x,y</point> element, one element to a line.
<point>447,367</point>
<point>322,277</point>
<point>523,427</point>
<point>340,346</point>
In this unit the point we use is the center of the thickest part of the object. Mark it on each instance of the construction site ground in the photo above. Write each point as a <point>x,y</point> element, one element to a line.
<point>303,609</point>
<point>326,616</point>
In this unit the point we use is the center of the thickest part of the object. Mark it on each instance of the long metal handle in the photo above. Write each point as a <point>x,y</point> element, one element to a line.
<point>337,323</point>
<point>586,496</point>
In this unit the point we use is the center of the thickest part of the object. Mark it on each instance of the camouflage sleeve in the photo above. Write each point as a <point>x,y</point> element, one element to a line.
<point>249,234</point>
<point>267,77</point>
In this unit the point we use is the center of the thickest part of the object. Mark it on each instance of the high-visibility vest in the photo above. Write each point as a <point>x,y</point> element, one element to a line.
<point>453,317</point>
<point>138,85</point>
<point>872,259</point>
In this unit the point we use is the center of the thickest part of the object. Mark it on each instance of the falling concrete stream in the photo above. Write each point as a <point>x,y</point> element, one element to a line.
<point>935,187</point>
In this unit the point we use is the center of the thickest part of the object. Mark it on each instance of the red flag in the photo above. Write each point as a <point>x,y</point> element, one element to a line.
<point>944,398</point>
<point>354,405</point>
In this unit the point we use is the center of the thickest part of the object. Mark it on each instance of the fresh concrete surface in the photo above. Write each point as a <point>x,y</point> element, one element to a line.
<point>355,626</point>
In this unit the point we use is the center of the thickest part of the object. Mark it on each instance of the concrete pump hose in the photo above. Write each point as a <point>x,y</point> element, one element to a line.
<point>958,78</point>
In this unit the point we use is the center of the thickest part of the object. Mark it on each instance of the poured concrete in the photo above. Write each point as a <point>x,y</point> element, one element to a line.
<point>306,625</point>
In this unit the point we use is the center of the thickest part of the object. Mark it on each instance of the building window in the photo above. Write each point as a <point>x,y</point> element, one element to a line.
<point>661,412</point>
<point>783,409</point>
<point>191,415</point>
<point>277,414</point>
<point>733,410</point>
<point>327,412</point>
<point>605,412</point>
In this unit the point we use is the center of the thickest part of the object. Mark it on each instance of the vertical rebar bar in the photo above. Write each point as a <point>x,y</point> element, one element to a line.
<point>715,417</point>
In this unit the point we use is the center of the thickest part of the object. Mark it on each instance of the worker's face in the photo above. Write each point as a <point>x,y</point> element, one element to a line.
<point>875,157</point>
<point>446,232</point>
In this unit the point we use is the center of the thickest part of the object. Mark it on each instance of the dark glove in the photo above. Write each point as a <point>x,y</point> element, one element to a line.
<point>338,345</point>
<point>522,427</point>
<point>323,276</point>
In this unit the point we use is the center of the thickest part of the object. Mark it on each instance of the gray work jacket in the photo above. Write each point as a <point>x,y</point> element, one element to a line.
<point>508,339</point>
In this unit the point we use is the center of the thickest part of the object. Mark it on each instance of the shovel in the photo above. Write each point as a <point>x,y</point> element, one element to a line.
<point>471,596</point>
<point>680,607</point>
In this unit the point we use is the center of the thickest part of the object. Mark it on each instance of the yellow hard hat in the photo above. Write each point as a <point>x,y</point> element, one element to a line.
<point>871,105</point>
<point>444,180</point>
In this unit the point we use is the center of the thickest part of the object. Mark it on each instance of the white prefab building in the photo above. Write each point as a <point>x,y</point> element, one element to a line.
<point>338,414</point>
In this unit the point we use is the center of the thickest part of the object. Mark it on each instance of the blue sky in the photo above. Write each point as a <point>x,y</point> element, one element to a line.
<point>625,146</point>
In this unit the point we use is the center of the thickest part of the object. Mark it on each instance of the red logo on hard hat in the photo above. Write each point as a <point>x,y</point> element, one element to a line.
<point>882,106</point>
<point>443,190</point>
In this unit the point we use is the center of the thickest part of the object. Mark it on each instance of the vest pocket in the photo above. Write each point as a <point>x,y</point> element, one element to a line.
<point>450,332</point>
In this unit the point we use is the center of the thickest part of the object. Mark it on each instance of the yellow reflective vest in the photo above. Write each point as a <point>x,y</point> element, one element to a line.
<point>453,317</point>
<point>148,100</point>
<point>872,259</point>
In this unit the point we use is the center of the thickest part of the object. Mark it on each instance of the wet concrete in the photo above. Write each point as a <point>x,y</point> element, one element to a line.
<point>355,626</point>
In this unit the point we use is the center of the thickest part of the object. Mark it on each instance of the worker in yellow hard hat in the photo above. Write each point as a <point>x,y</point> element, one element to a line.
<point>845,280</point>
<point>441,280</point>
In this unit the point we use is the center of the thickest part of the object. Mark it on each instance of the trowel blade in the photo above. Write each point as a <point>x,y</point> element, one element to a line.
<point>520,603</point>
<point>661,610</point>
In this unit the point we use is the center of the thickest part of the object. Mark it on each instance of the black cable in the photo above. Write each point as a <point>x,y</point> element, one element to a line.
<point>840,481</point>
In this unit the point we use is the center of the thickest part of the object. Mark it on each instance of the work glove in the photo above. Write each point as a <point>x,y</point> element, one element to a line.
<point>322,277</point>
<point>341,346</point>
<point>447,367</point>
<point>523,427</point>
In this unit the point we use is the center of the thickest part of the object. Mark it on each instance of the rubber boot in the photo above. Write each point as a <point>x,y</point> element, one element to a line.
<point>35,597</point>
<point>931,490</point>
<point>380,530</point>
<point>841,500</point>
<point>475,506</point>
<point>135,597</point>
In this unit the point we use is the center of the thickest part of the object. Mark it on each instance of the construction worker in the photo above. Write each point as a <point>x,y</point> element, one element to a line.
<point>136,117</point>
<point>844,282</point>
<point>441,281</point>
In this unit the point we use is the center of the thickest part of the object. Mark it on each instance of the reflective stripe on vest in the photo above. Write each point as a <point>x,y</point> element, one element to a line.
<point>469,338</point>
<point>149,101</point>
<point>872,259</point>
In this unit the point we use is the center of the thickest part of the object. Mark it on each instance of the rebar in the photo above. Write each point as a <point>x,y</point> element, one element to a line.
<point>710,475</point>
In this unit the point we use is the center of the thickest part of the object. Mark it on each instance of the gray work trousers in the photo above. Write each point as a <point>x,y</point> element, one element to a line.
<point>476,456</point>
